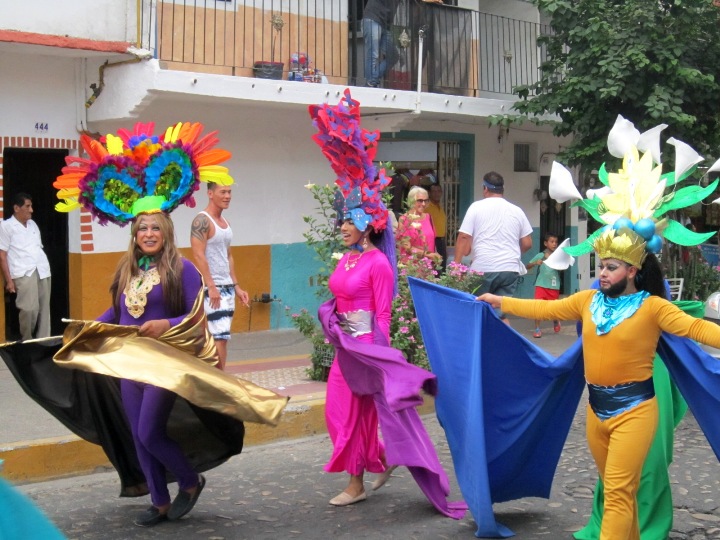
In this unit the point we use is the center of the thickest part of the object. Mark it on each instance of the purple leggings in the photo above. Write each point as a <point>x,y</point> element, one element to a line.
<point>148,409</point>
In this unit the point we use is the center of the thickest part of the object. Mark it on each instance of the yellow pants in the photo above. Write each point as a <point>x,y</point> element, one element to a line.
<point>619,446</point>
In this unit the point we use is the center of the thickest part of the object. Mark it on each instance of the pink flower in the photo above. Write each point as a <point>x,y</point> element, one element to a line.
<point>404,329</point>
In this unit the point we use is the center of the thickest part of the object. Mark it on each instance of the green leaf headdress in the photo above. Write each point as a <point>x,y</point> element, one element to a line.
<point>633,201</point>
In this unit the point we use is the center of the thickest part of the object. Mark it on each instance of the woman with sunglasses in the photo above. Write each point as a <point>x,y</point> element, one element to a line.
<point>415,233</point>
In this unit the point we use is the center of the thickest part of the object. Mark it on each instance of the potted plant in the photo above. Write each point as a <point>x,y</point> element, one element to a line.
<point>271,69</point>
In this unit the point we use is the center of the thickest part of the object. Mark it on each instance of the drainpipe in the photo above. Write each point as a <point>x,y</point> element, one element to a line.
<point>139,54</point>
<point>138,23</point>
<point>80,83</point>
<point>98,88</point>
<point>418,100</point>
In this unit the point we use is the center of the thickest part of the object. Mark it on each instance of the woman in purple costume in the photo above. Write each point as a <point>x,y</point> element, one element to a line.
<point>363,285</point>
<point>155,288</point>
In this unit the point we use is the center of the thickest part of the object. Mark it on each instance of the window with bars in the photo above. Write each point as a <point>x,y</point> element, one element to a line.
<point>525,157</point>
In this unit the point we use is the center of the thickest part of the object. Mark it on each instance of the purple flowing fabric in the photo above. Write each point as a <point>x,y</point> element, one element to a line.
<point>383,372</point>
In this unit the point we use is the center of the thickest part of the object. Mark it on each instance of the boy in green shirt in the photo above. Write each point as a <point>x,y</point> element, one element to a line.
<point>547,283</point>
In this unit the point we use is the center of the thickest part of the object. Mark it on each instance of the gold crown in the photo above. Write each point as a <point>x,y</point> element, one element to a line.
<point>622,244</point>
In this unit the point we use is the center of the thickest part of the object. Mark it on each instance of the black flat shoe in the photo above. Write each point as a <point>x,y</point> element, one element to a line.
<point>184,502</point>
<point>150,517</point>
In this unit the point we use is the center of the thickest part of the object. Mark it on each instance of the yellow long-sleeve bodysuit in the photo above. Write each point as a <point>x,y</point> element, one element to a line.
<point>625,354</point>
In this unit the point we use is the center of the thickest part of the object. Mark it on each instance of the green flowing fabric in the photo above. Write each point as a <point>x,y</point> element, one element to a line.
<point>655,507</point>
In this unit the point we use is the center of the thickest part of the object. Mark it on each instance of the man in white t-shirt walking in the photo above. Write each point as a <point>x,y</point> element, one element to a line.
<point>210,237</point>
<point>26,269</point>
<point>496,233</point>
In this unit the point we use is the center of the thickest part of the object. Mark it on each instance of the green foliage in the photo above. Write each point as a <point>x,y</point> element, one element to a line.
<point>652,62</point>
<point>323,236</point>
<point>322,353</point>
<point>700,279</point>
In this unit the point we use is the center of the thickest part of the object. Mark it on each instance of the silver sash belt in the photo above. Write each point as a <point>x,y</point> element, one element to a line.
<point>357,323</point>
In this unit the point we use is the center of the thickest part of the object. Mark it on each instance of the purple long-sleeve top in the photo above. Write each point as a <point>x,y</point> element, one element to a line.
<point>155,308</point>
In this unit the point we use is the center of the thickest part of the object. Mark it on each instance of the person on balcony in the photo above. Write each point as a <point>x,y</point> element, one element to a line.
<point>380,51</point>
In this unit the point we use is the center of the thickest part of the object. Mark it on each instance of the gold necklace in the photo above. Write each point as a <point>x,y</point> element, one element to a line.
<point>351,263</point>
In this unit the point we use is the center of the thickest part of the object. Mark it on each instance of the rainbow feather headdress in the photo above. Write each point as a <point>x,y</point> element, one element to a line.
<point>351,150</point>
<point>138,172</point>
<point>633,202</point>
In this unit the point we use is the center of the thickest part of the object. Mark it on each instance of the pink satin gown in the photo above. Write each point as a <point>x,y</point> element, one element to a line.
<point>352,420</point>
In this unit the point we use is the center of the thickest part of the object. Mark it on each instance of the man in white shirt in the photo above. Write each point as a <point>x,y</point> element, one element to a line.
<point>497,233</point>
<point>210,237</point>
<point>26,269</point>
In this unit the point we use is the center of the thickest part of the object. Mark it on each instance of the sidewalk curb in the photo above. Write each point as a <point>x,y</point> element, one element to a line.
<point>60,457</point>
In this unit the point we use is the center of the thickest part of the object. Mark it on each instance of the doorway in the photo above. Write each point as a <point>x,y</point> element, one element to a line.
<point>552,220</point>
<point>33,171</point>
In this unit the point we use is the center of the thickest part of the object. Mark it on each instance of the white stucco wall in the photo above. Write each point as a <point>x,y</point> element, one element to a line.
<point>273,158</point>
<point>273,153</point>
<point>40,90</point>
<point>106,20</point>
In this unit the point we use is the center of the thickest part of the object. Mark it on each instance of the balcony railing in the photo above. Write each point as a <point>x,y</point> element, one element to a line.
<point>464,52</point>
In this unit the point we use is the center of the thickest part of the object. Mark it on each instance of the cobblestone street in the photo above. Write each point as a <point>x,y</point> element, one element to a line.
<point>280,490</point>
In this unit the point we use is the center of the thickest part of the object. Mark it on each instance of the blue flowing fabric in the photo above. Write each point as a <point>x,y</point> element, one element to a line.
<point>505,404</point>
<point>382,372</point>
<point>20,519</point>
<point>697,375</point>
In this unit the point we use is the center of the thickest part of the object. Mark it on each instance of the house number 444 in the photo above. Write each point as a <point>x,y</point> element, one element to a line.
<point>41,127</point>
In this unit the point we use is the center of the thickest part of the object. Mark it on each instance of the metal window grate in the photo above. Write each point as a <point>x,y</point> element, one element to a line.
<point>449,178</point>
<point>522,157</point>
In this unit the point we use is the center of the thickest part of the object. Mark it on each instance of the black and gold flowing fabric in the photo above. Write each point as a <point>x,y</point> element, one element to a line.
<point>207,420</point>
<point>181,360</point>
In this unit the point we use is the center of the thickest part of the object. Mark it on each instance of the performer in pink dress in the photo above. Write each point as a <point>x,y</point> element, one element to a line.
<point>363,285</point>
<point>370,383</point>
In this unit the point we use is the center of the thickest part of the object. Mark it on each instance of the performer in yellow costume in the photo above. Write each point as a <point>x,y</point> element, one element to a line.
<point>622,323</point>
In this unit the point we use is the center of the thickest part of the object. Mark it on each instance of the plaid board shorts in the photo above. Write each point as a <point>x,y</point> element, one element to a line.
<point>220,319</point>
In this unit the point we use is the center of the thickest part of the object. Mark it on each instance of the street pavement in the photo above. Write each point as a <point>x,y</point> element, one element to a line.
<point>279,489</point>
